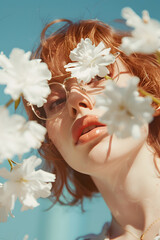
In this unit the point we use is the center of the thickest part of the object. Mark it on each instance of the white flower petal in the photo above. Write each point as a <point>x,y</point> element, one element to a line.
<point>17,135</point>
<point>89,61</point>
<point>145,37</point>
<point>29,202</point>
<point>24,76</point>
<point>26,237</point>
<point>4,61</point>
<point>31,163</point>
<point>45,176</point>
<point>4,173</point>
<point>125,111</point>
<point>18,54</point>
<point>99,49</point>
<point>7,202</point>
<point>132,18</point>
<point>135,132</point>
<point>27,184</point>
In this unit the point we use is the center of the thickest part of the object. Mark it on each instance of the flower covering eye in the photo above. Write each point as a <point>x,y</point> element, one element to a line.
<point>89,61</point>
<point>96,79</point>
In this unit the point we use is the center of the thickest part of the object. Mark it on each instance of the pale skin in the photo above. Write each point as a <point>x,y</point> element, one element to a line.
<point>128,179</point>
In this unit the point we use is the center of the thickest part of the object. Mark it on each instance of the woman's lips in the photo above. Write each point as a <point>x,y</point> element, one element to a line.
<point>94,133</point>
<point>86,129</point>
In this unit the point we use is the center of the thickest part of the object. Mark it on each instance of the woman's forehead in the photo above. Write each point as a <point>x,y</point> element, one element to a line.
<point>119,66</point>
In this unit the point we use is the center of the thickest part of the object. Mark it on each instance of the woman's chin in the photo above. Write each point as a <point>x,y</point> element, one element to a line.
<point>98,154</point>
<point>110,149</point>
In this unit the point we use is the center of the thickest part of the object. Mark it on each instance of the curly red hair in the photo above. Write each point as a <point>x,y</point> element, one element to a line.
<point>54,50</point>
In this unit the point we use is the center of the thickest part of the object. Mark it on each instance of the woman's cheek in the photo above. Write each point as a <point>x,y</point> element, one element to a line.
<point>57,132</point>
<point>145,131</point>
<point>53,129</point>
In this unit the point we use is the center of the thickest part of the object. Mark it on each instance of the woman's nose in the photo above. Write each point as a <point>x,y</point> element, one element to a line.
<point>78,100</point>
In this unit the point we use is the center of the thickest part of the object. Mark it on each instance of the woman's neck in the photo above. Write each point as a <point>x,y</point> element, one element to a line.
<point>131,189</point>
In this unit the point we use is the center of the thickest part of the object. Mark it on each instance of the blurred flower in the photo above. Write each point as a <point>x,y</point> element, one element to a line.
<point>33,134</point>
<point>145,37</point>
<point>125,111</point>
<point>157,237</point>
<point>6,204</point>
<point>17,135</point>
<point>27,184</point>
<point>25,76</point>
<point>89,60</point>
<point>26,237</point>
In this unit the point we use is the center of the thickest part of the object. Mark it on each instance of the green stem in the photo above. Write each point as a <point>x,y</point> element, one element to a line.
<point>13,162</point>
<point>107,77</point>
<point>10,163</point>
<point>9,103</point>
<point>143,92</point>
<point>154,99</point>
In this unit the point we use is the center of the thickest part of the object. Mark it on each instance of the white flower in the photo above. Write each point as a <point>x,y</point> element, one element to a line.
<point>6,204</point>
<point>18,136</point>
<point>158,236</point>
<point>33,134</point>
<point>89,61</point>
<point>26,237</point>
<point>27,184</point>
<point>25,76</point>
<point>145,37</point>
<point>125,110</point>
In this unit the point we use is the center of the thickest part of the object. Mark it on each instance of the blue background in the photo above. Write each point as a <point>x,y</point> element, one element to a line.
<point>21,22</point>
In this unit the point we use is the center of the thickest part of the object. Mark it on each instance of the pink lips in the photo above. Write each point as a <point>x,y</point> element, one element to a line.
<point>83,132</point>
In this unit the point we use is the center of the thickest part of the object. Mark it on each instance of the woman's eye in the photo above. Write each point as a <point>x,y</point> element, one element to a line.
<point>56,104</point>
<point>96,80</point>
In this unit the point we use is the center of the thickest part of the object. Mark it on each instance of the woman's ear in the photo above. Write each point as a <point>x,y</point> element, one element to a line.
<point>157,111</point>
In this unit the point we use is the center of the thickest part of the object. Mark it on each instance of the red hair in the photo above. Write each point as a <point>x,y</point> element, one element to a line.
<point>55,50</point>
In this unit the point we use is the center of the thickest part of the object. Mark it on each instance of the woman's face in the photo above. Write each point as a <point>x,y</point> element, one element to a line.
<point>82,139</point>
